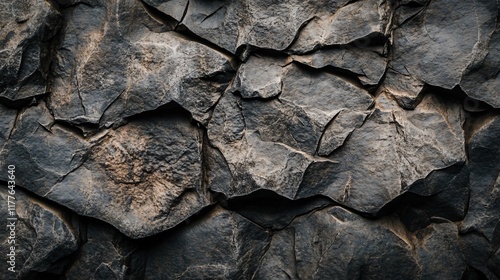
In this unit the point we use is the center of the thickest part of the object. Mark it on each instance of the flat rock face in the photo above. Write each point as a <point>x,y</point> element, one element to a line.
<point>250,139</point>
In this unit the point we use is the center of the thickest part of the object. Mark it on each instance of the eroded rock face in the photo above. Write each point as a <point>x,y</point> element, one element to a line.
<point>336,244</point>
<point>110,69</point>
<point>44,235</point>
<point>26,29</point>
<point>250,139</point>
<point>222,245</point>
<point>457,49</point>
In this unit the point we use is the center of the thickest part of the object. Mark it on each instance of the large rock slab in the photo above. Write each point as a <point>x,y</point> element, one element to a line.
<point>395,146</point>
<point>26,29</point>
<point>104,74</point>
<point>366,64</point>
<point>460,48</point>
<point>278,25</point>
<point>142,178</point>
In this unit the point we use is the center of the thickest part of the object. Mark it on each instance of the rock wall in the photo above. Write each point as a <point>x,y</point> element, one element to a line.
<point>250,139</point>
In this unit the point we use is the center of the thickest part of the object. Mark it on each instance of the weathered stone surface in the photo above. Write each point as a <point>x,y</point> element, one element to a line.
<point>105,254</point>
<point>484,151</point>
<point>457,49</point>
<point>251,139</point>
<point>259,77</point>
<point>43,235</point>
<point>336,244</point>
<point>404,88</point>
<point>477,250</point>
<point>44,150</point>
<point>6,123</point>
<point>25,30</point>
<point>357,22</point>
<point>444,194</point>
<point>149,171</point>
<point>268,25</point>
<point>221,245</point>
<point>276,25</point>
<point>102,75</point>
<point>398,147</point>
<point>279,136</point>
<point>366,64</point>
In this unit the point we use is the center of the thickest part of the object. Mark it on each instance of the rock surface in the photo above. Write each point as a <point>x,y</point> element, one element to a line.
<point>250,139</point>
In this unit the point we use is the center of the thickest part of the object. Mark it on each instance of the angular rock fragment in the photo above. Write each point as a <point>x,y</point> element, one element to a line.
<point>443,194</point>
<point>477,251</point>
<point>149,171</point>
<point>366,64</point>
<point>259,77</point>
<point>395,146</point>
<point>278,25</point>
<point>7,122</point>
<point>260,141</point>
<point>26,28</point>
<point>263,24</point>
<point>44,235</point>
<point>358,22</point>
<point>102,75</point>
<point>459,48</point>
<point>42,150</point>
<point>220,245</point>
<point>404,88</point>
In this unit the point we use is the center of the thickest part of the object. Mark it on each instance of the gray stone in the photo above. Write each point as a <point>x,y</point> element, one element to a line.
<point>484,151</point>
<point>457,49</point>
<point>259,77</point>
<point>366,64</point>
<point>260,141</point>
<point>397,147</point>
<point>44,151</point>
<point>26,28</point>
<point>149,171</point>
<point>44,234</point>
<point>220,245</point>
<point>404,88</point>
<point>263,24</point>
<point>356,22</point>
<point>105,254</point>
<point>104,75</point>
<point>337,244</point>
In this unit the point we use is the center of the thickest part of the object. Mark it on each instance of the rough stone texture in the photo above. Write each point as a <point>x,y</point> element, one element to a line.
<point>250,139</point>
<point>46,235</point>
<point>26,29</point>
<point>109,69</point>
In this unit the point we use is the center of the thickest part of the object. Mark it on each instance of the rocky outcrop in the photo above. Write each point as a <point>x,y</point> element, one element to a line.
<point>249,139</point>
